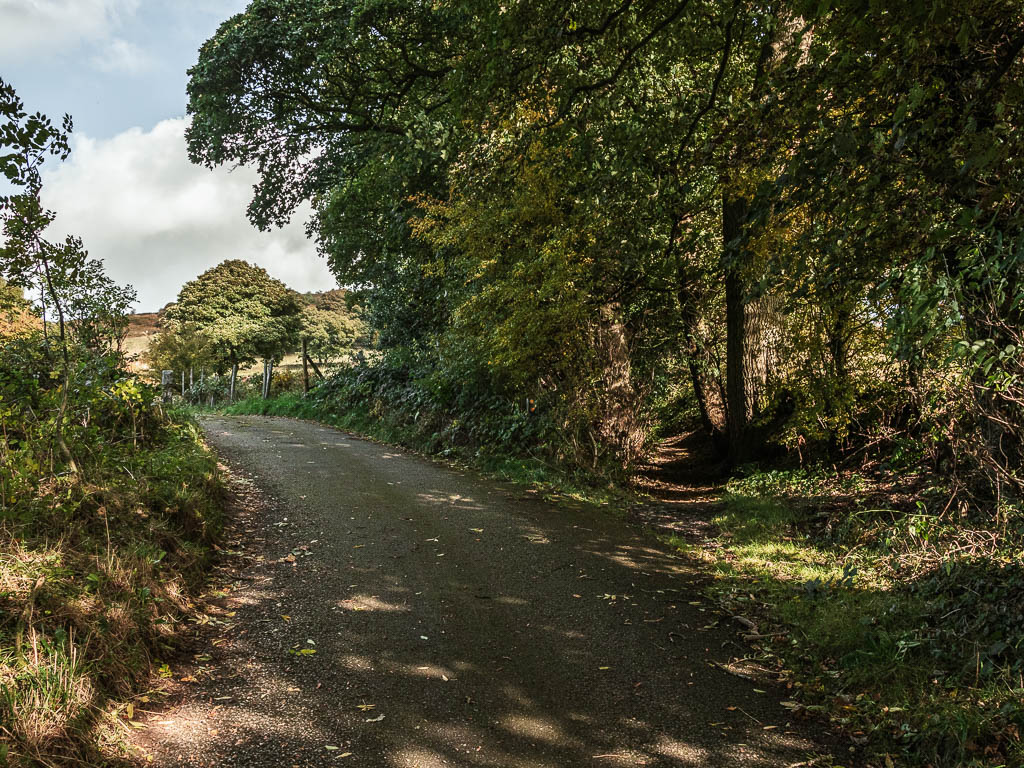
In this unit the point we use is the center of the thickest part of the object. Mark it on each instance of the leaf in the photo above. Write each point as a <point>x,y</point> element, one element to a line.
<point>366,707</point>
<point>376,719</point>
<point>130,710</point>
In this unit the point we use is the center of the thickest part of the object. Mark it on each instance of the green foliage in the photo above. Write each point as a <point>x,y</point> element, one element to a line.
<point>330,332</point>
<point>244,313</point>
<point>902,624</point>
<point>181,347</point>
<point>108,506</point>
<point>791,223</point>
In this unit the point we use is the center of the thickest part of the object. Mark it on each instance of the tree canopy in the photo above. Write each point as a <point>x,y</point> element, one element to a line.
<point>778,207</point>
<point>243,312</point>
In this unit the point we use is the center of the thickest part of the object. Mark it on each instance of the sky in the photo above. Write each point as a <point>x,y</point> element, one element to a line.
<point>118,67</point>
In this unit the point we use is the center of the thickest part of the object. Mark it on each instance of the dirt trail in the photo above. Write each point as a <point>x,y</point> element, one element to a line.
<point>404,614</point>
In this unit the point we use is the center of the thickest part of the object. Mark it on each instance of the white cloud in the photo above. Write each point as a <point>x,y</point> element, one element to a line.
<point>122,56</point>
<point>46,26</point>
<point>157,221</point>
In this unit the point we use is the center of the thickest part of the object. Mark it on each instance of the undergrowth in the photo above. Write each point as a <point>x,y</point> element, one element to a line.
<point>98,563</point>
<point>904,620</point>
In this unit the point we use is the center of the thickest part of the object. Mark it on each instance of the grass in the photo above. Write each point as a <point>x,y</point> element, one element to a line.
<point>903,626</point>
<point>97,573</point>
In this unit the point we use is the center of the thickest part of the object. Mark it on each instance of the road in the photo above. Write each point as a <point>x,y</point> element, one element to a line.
<point>406,614</point>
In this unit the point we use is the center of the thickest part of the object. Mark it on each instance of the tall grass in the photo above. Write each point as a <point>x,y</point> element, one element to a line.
<point>97,573</point>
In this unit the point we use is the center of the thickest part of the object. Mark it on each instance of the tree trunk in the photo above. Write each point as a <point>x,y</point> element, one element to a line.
<point>305,369</point>
<point>270,378</point>
<point>734,211</point>
<point>234,376</point>
<point>761,344</point>
<point>316,368</point>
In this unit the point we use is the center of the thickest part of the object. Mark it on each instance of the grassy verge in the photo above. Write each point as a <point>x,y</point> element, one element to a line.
<point>96,573</point>
<point>905,624</point>
<point>547,480</point>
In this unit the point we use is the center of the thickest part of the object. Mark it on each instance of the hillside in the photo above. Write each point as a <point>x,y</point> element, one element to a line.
<point>141,328</point>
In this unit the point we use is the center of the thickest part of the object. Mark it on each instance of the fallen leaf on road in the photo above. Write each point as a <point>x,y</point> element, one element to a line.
<point>477,530</point>
<point>375,719</point>
<point>366,707</point>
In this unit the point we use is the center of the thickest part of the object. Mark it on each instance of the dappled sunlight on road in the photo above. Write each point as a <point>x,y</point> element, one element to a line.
<point>446,624</point>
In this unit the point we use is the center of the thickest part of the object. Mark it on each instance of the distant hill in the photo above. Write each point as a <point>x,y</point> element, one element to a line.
<point>16,315</point>
<point>141,328</point>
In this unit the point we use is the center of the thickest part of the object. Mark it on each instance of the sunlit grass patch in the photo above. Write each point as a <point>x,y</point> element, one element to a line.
<point>905,628</point>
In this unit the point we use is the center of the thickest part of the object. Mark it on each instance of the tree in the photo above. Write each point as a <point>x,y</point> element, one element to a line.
<point>90,308</point>
<point>787,203</point>
<point>180,347</point>
<point>329,333</point>
<point>244,313</point>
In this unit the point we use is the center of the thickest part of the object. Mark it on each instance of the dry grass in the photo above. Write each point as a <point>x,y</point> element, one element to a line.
<point>95,584</point>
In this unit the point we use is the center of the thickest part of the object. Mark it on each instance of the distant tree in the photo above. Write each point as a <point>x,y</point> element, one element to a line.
<point>180,347</point>
<point>329,333</point>
<point>244,313</point>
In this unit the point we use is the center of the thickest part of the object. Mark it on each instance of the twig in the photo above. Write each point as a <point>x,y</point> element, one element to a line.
<point>23,619</point>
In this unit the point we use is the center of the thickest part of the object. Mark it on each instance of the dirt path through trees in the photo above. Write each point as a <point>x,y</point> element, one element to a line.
<point>404,614</point>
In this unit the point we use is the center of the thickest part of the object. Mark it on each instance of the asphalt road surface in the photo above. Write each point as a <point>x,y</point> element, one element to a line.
<point>402,613</point>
